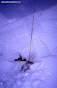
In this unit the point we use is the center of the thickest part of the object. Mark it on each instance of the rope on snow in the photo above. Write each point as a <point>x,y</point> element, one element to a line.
<point>32,30</point>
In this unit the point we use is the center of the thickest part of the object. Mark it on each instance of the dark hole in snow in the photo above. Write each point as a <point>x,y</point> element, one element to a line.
<point>26,66</point>
<point>20,59</point>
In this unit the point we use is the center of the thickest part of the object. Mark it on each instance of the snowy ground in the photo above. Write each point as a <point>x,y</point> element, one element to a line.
<point>15,39</point>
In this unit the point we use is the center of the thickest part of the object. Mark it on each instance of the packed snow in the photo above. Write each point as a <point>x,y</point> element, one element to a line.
<point>15,39</point>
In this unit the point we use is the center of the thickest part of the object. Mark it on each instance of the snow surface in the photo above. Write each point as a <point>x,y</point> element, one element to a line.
<point>15,40</point>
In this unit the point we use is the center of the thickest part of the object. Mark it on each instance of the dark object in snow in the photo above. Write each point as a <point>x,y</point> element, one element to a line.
<point>29,62</point>
<point>26,66</point>
<point>20,59</point>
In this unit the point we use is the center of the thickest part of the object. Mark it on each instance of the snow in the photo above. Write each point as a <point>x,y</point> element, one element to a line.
<point>3,20</point>
<point>15,40</point>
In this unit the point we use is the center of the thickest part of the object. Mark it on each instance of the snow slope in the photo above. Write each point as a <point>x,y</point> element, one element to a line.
<point>15,39</point>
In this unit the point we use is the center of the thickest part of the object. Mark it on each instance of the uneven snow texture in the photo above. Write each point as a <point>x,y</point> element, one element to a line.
<point>15,40</point>
<point>41,74</point>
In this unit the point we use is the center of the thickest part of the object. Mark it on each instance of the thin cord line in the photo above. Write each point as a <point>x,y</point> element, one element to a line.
<point>32,30</point>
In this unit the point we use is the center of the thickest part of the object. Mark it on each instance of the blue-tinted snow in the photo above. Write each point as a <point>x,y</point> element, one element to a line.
<point>15,39</point>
